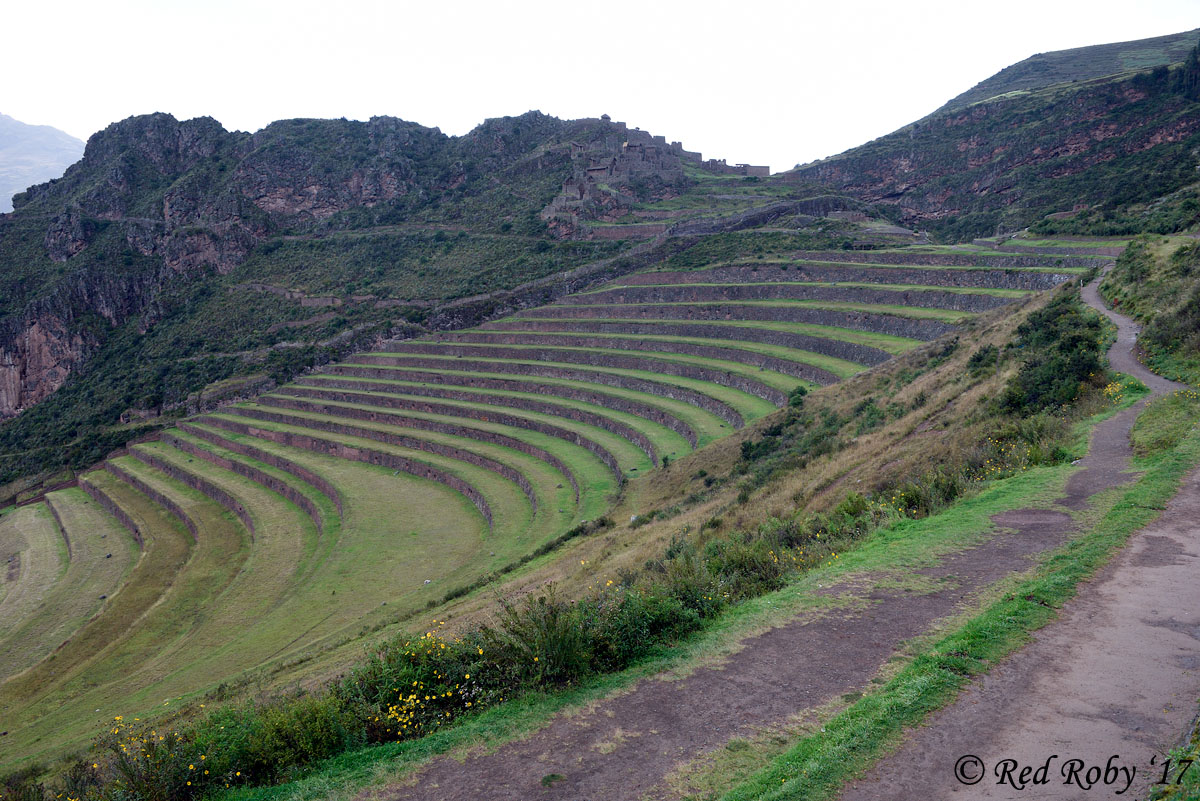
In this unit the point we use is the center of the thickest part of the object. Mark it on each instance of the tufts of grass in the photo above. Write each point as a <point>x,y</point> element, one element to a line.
<point>1165,422</point>
<point>816,766</point>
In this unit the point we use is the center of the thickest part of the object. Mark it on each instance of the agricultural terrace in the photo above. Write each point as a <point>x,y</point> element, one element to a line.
<point>263,534</point>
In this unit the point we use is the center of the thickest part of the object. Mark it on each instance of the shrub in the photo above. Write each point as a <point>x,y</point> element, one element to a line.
<point>628,627</point>
<point>1062,347</point>
<point>541,639</point>
<point>983,361</point>
<point>295,732</point>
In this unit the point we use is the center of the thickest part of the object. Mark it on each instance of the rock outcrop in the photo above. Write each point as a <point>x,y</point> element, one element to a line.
<point>156,201</point>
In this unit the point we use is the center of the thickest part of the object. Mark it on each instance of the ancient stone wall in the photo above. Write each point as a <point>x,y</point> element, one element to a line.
<point>365,455</point>
<point>541,407</point>
<point>965,259</point>
<point>253,473</point>
<point>611,360</point>
<point>174,509</point>
<point>863,354</point>
<point>62,529</point>
<point>111,506</point>
<point>786,366</point>
<point>895,325</point>
<point>614,402</point>
<point>399,440</point>
<point>696,293</point>
<point>632,231</point>
<point>278,462</point>
<point>661,389</point>
<point>1111,251</point>
<point>198,483</point>
<point>422,424</point>
<point>815,271</point>
<point>319,390</point>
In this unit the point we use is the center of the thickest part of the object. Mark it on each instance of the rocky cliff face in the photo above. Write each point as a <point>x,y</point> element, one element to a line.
<point>156,201</point>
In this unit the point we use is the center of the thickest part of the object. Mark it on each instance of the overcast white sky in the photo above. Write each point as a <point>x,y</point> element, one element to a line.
<point>763,82</point>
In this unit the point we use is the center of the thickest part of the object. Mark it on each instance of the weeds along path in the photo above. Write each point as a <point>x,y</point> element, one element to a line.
<point>626,746</point>
<point>1117,674</point>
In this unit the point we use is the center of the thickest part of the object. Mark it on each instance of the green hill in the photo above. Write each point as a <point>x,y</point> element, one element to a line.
<point>1101,146</point>
<point>1079,64</point>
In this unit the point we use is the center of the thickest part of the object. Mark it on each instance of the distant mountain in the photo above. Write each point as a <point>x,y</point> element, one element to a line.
<point>1071,143</point>
<point>32,154</point>
<point>1079,64</point>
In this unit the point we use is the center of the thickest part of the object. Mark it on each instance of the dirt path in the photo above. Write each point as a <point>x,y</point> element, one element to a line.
<point>623,747</point>
<point>1116,676</point>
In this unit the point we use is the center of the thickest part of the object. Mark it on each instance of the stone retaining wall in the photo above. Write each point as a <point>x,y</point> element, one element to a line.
<point>682,394</point>
<point>795,369</point>
<point>1049,250</point>
<point>253,473</point>
<point>201,485</point>
<point>491,437</point>
<point>698,293</point>
<point>466,312</point>
<point>318,388</point>
<point>61,528</point>
<point>162,500</point>
<point>611,360</point>
<point>631,231</point>
<point>850,351</point>
<point>965,259</point>
<point>616,403</point>
<point>894,324</point>
<point>399,440</point>
<point>111,506</point>
<point>366,455</point>
<point>541,407</point>
<point>286,465</point>
<point>965,279</point>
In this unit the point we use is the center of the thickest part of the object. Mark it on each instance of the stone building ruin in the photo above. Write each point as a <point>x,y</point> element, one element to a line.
<point>617,157</point>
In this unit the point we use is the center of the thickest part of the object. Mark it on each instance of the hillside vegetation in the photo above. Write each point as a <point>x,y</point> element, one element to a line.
<point>1079,64</point>
<point>528,434</point>
<point>1105,148</point>
<point>383,444</point>
<point>1157,282</point>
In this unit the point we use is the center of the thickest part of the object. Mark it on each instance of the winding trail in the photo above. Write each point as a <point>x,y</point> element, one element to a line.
<point>1117,674</point>
<point>623,747</point>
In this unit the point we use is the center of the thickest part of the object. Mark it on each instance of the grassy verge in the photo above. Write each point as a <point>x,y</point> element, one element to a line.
<point>818,765</point>
<point>1184,779</point>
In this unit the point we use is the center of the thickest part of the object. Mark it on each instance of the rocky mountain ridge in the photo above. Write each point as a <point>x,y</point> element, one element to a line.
<point>155,201</point>
<point>1003,163</point>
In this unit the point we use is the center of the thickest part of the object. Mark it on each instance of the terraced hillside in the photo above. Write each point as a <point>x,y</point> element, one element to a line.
<point>269,532</point>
